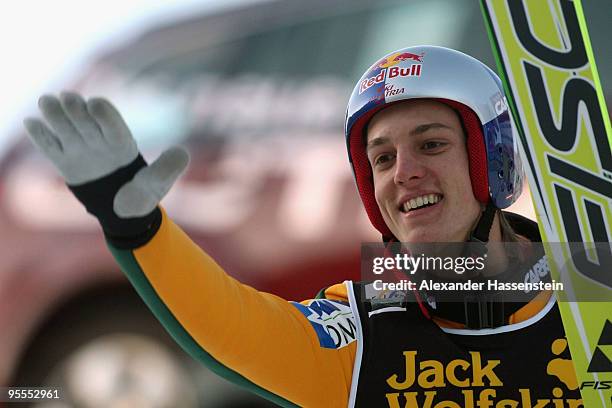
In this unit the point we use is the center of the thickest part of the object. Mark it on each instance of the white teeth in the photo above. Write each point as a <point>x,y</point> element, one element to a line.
<point>417,202</point>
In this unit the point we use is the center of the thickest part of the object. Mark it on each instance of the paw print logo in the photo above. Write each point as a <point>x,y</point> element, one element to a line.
<point>562,368</point>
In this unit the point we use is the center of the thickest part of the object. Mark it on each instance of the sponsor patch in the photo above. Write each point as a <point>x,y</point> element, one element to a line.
<point>392,72</point>
<point>380,299</point>
<point>333,322</point>
<point>538,272</point>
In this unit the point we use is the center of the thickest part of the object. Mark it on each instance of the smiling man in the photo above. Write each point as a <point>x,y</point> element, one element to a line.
<point>430,141</point>
<point>421,172</point>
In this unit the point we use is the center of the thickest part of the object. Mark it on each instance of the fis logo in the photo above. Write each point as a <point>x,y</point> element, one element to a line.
<point>596,385</point>
<point>600,363</point>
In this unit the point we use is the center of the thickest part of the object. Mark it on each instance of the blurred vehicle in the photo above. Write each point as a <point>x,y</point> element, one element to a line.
<point>257,94</point>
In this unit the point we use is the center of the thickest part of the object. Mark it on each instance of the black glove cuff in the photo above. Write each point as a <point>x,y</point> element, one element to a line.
<point>98,195</point>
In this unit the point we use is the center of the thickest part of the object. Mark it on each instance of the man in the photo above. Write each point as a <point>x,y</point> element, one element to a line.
<point>430,142</point>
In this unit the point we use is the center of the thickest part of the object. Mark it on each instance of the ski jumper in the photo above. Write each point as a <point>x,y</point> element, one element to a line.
<point>333,352</point>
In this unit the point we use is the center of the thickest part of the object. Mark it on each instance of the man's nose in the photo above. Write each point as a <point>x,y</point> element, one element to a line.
<point>408,169</point>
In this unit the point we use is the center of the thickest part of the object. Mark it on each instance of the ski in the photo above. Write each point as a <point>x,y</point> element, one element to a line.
<point>546,62</point>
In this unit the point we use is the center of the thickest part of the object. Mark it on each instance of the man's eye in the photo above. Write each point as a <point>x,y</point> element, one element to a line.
<point>383,159</point>
<point>432,145</point>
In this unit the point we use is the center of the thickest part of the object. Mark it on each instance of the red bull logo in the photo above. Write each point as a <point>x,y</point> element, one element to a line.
<point>398,57</point>
<point>390,72</point>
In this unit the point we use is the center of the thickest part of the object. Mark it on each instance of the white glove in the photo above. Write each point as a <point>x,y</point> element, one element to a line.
<point>89,140</point>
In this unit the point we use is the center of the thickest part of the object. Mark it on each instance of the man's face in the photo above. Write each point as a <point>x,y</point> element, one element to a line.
<point>418,154</point>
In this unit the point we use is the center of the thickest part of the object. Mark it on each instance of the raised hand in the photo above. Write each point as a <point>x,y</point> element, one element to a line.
<point>89,140</point>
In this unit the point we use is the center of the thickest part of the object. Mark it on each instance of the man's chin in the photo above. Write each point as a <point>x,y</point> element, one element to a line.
<point>421,235</point>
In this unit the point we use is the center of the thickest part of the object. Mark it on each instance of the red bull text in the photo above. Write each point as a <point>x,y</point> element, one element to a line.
<point>392,72</point>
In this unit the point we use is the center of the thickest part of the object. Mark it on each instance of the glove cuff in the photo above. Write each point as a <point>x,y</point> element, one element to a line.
<point>98,195</point>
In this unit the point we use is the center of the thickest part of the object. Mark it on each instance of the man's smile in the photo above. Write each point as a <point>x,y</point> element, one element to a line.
<point>419,202</point>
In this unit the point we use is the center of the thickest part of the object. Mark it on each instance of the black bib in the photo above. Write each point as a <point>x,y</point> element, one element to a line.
<point>408,361</point>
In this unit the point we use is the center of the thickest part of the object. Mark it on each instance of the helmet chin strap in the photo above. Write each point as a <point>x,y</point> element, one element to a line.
<point>483,228</point>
